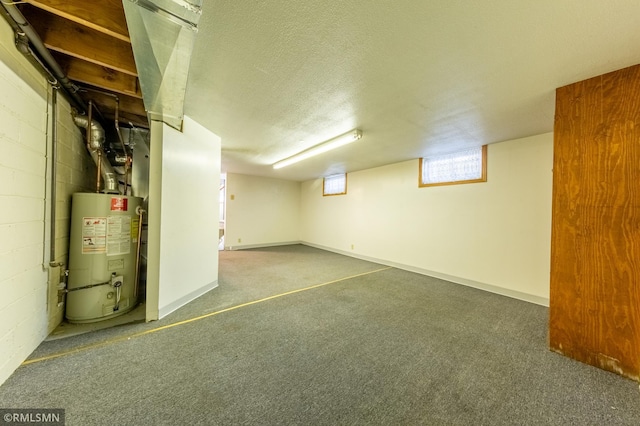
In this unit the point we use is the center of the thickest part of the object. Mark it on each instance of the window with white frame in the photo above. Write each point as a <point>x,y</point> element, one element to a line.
<point>335,185</point>
<point>468,166</point>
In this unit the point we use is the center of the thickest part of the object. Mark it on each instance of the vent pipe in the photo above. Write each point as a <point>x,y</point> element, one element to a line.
<point>94,145</point>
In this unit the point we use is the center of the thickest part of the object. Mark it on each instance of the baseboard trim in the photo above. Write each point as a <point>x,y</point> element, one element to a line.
<point>457,280</point>
<point>252,246</point>
<point>176,304</point>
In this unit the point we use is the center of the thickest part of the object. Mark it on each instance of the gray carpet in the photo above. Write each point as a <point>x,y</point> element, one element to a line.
<point>391,347</point>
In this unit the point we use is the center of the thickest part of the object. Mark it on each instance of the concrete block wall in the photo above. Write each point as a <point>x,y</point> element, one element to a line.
<point>23,158</point>
<point>29,307</point>
<point>76,172</point>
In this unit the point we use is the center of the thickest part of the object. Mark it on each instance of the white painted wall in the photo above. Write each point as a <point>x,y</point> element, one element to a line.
<point>261,211</point>
<point>23,150</point>
<point>29,307</point>
<point>183,215</point>
<point>493,235</point>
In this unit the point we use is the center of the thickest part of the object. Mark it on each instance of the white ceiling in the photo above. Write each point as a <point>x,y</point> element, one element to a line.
<point>418,77</point>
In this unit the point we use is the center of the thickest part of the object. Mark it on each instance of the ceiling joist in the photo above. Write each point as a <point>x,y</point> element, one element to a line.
<point>126,118</point>
<point>99,76</point>
<point>90,41</point>
<point>105,16</point>
<point>127,104</point>
<point>84,43</point>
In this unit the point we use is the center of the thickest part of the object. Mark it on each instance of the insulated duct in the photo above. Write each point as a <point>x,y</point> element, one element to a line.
<point>94,145</point>
<point>162,35</point>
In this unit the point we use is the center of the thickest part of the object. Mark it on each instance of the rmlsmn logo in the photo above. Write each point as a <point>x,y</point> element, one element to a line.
<point>32,416</point>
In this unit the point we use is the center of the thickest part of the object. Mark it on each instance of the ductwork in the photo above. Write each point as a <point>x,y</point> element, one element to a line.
<point>97,132</point>
<point>162,36</point>
<point>95,149</point>
<point>108,174</point>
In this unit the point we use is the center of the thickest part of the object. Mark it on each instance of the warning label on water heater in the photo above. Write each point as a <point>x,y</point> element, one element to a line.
<point>94,235</point>
<point>118,235</point>
<point>119,204</point>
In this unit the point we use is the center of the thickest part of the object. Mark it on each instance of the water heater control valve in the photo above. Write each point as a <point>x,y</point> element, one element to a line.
<point>116,280</point>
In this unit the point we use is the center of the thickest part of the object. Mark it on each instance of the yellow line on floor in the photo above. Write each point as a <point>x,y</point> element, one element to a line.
<point>187,321</point>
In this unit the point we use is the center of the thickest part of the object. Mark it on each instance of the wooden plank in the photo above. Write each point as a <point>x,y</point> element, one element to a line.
<point>107,103</point>
<point>125,119</point>
<point>594,313</point>
<point>82,42</point>
<point>106,16</point>
<point>99,76</point>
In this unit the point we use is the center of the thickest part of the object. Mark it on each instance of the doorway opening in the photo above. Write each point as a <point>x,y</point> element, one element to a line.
<point>222,198</point>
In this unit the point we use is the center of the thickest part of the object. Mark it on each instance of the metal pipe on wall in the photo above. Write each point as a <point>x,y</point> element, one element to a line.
<point>88,128</point>
<point>90,145</point>
<point>99,152</point>
<point>95,139</point>
<point>54,175</point>
<point>124,148</point>
<point>52,67</point>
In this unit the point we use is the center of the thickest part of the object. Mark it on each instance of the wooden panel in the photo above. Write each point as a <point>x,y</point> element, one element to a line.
<point>126,118</point>
<point>99,76</point>
<point>107,103</point>
<point>82,42</point>
<point>594,313</point>
<point>106,16</point>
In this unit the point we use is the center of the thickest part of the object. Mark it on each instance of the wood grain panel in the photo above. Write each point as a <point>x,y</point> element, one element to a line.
<point>99,76</point>
<point>594,313</point>
<point>127,118</point>
<point>128,105</point>
<point>82,42</point>
<point>106,16</point>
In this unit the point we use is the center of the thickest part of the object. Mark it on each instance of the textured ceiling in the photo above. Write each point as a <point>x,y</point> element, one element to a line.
<point>417,77</point>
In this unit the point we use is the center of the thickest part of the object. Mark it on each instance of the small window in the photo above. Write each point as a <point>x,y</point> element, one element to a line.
<point>335,185</point>
<point>468,166</point>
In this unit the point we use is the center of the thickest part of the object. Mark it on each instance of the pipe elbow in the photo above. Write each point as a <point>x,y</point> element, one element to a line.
<point>97,132</point>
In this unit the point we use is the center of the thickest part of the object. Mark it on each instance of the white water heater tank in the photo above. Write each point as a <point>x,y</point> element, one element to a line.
<point>102,256</point>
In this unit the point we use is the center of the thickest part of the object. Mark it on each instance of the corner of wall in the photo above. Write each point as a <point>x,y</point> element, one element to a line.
<point>154,220</point>
<point>186,252</point>
<point>493,235</point>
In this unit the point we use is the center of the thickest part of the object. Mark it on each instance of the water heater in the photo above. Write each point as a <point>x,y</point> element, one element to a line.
<point>102,256</point>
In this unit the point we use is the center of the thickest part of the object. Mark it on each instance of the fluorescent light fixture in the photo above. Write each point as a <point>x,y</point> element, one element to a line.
<point>334,143</point>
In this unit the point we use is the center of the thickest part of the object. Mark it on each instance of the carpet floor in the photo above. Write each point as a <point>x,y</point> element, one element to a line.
<point>372,345</point>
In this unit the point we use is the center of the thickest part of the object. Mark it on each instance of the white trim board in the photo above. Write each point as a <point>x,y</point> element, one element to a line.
<point>457,280</point>
<point>177,304</point>
<point>252,246</point>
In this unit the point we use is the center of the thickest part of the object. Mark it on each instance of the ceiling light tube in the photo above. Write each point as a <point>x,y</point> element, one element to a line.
<point>334,143</point>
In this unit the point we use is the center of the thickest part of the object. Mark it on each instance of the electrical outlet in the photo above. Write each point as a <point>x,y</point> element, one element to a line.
<point>352,246</point>
<point>239,240</point>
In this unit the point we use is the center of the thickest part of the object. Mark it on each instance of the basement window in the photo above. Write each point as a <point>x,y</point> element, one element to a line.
<point>468,166</point>
<point>335,185</point>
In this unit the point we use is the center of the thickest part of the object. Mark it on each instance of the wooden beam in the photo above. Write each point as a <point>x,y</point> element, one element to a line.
<point>82,42</point>
<point>99,76</point>
<point>107,103</point>
<point>106,16</point>
<point>126,118</point>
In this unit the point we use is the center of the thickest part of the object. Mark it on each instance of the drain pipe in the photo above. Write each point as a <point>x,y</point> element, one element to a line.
<point>54,175</point>
<point>124,148</point>
<point>95,139</point>
<point>25,30</point>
